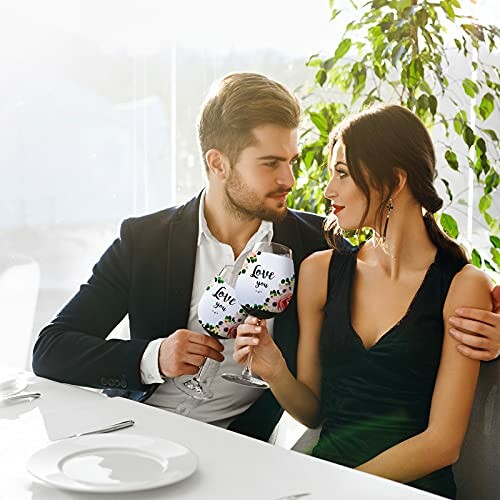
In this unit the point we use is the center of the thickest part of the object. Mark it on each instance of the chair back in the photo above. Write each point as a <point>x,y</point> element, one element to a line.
<point>307,441</point>
<point>477,472</point>
<point>19,286</point>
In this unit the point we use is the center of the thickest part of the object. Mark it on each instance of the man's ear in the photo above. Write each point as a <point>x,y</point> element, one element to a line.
<point>402,178</point>
<point>217,163</point>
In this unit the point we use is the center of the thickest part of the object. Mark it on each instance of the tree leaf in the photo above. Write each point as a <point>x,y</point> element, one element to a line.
<point>335,13</point>
<point>492,134</point>
<point>484,203</point>
<point>470,87</point>
<point>495,241</point>
<point>342,48</point>
<point>314,60</point>
<point>487,106</point>
<point>459,121</point>
<point>446,6</point>
<point>320,122</point>
<point>433,104</point>
<point>476,259</point>
<point>469,136</point>
<point>495,253</point>
<point>423,103</point>
<point>487,263</point>
<point>448,190</point>
<point>480,145</point>
<point>449,225</point>
<point>475,31</point>
<point>320,77</point>
<point>328,64</point>
<point>491,182</point>
<point>397,52</point>
<point>451,159</point>
<point>308,158</point>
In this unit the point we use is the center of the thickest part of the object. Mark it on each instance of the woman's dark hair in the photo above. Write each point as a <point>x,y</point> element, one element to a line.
<point>379,141</point>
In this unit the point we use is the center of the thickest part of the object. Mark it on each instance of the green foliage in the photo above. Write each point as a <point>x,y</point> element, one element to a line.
<point>449,225</point>
<point>398,51</point>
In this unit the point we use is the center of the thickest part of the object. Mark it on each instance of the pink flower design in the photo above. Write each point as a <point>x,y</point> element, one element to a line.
<point>284,301</point>
<point>232,332</point>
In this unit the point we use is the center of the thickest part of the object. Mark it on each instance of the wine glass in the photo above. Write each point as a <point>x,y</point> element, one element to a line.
<point>219,314</point>
<point>264,289</point>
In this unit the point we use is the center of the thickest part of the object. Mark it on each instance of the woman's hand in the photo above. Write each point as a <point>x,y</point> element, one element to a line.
<point>253,338</point>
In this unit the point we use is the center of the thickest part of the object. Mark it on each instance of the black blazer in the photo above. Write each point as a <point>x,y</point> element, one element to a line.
<point>148,274</point>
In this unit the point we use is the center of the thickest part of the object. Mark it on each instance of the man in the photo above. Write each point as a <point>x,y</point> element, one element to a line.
<point>158,268</point>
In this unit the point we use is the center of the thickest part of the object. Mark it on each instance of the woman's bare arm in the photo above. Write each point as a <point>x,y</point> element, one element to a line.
<point>300,396</point>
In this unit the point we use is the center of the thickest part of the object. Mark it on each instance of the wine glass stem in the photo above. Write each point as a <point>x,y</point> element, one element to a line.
<point>247,371</point>
<point>197,377</point>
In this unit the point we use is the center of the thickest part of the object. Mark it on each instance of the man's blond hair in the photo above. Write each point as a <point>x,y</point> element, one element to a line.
<point>237,104</point>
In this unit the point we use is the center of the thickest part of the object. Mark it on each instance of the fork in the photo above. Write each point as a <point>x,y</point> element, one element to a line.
<point>102,430</point>
<point>18,397</point>
<point>293,497</point>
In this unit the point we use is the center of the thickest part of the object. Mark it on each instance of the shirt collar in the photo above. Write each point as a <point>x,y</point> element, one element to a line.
<point>265,231</point>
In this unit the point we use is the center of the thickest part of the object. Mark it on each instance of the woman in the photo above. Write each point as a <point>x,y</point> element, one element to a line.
<point>374,366</point>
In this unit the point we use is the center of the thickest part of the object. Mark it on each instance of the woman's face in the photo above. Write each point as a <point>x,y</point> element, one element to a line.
<point>348,200</point>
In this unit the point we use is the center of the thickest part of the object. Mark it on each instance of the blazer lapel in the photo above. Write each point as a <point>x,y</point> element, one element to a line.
<point>181,250</point>
<point>287,233</point>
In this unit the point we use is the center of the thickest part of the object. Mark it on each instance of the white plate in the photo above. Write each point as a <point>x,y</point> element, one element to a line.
<point>12,383</point>
<point>112,463</point>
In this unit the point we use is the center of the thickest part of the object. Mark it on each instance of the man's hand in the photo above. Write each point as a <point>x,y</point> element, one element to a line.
<point>183,352</point>
<point>478,331</point>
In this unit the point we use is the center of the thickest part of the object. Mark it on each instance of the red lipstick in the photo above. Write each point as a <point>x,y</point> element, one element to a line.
<point>337,208</point>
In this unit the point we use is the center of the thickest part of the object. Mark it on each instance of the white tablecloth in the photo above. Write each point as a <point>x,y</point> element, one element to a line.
<point>231,466</point>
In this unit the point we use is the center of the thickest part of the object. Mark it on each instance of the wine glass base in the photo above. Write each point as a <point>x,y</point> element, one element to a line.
<point>194,389</point>
<point>247,380</point>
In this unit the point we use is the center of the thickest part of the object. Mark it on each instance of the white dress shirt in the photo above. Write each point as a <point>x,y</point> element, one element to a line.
<point>229,399</point>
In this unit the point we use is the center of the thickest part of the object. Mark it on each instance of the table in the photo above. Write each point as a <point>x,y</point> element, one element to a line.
<point>231,466</point>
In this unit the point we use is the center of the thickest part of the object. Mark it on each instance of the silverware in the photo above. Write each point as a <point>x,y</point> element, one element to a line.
<point>19,397</point>
<point>293,497</point>
<point>102,430</point>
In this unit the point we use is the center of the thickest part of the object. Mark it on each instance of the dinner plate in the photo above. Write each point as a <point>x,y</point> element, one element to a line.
<point>11,383</point>
<point>112,463</point>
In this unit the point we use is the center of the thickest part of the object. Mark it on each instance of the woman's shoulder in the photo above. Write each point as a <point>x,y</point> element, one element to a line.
<point>314,269</point>
<point>313,279</point>
<point>470,287</point>
<point>471,276</point>
<point>317,261</point>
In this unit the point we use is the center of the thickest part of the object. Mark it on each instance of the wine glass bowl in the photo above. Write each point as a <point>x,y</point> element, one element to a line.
<point>219,314</point>
<point>262,291</point>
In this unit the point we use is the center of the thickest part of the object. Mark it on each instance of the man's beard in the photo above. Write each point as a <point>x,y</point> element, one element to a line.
<point>245,204</point>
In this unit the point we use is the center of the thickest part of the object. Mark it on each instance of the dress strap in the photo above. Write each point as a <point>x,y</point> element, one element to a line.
<point>341,262</point>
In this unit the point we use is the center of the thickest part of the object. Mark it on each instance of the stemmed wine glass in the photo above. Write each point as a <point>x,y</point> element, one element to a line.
<point>264,289</point>
<point>219,313</point>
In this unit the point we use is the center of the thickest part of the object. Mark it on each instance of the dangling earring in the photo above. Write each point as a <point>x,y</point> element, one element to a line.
<point>390,208</point>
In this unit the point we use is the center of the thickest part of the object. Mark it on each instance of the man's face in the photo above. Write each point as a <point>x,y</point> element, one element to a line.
<point>258,183</point>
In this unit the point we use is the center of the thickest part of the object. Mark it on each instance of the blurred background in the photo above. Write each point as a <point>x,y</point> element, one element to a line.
<point>98,105</point>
